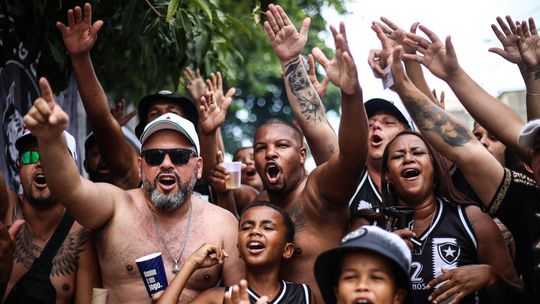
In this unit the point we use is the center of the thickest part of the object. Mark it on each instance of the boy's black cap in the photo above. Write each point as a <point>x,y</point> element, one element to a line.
<point>378,104</point>
<point>190,112</point>
<point>374,239</point>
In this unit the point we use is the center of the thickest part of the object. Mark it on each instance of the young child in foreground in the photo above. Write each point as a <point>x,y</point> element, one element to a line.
<point>265,237</point>
<point>370,266</point>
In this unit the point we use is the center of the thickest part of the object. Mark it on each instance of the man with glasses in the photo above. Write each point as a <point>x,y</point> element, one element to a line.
<point>162,216</point>
<point>54,259</point>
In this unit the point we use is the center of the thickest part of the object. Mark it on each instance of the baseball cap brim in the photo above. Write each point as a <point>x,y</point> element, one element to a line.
<point>27,138</point>
<point>190,112</point>
<point>328,265</point>
<point>528,133</point>
<point>375,105</point>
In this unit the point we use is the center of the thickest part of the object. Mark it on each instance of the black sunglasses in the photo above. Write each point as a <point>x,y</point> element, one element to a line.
<point>179,156</point>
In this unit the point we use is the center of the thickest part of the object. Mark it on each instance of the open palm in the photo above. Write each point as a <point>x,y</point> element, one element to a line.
<point>80,34</point>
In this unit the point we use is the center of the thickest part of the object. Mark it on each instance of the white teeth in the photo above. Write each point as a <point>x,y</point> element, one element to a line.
<point>254,244</point>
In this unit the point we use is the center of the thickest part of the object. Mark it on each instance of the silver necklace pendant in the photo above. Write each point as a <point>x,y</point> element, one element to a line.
<point>176,268</point>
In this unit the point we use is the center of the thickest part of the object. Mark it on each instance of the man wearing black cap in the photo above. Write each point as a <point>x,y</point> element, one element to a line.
<point>385,121</point>
<point>54,259</point>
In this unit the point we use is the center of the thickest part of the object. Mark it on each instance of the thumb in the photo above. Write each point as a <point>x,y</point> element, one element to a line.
<point>97,26</point>
<point>450,47</point>
<point>305,26</point>
<point>320,57</point>
<point>219,157</point>
<point>15,228</point>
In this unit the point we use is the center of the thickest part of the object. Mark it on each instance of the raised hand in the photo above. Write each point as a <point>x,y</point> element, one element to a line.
<point>508,36</point>
<point>239,295</point>
<point>460,282</point>
<point>341,70</point>
<point>119,113</point>
<point>208,255</point>
<point>215,85</point>
<point>439,101</point>
<point>529,45</point>
<point>195,84</point>
<point>379,59</point>
<point>320,87</point>
<point>45,119</point>
<point>397,34</point>
<point>212,116</point>
<point>80,34</point>
<point>439,58</point>
<point>286,41</point>
<point>219,174</point>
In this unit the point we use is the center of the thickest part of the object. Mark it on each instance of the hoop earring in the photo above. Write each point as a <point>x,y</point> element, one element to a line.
<point>388,190</point>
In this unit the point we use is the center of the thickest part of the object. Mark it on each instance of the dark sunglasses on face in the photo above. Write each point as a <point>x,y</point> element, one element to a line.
<point>179,156</point>
<point>30,157</point>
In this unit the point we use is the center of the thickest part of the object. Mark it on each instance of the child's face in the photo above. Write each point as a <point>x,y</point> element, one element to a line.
<point>367,278</point>
<point>262,237</point>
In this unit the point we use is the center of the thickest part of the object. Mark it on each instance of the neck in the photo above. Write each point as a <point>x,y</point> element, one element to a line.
<point>424,213</point>
<point>285,199</point>
<point>264,281</point>
<point>170,216</point>
<point>374,170</point>
<point>42,221</point>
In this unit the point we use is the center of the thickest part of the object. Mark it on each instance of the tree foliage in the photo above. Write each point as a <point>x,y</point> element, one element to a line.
<point>145,44</point>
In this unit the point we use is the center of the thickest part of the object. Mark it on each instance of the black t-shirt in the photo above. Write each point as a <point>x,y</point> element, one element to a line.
<point>289,293</point>
<point>517,205</point>
<point>449,242</point>
<point>366,195</point>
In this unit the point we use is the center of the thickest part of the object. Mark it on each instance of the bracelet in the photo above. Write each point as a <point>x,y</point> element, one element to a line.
<point>533,94</point>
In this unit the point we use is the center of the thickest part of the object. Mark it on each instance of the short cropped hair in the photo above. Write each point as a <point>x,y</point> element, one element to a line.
<point>298,133</point>
<point>286,218</point>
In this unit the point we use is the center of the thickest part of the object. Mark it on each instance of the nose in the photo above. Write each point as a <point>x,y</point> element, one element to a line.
<point>254,231</point>
<point>484,141</point>
<point>362,284</point>
<point>271,152</point>
<point>166,163</point>
<point>376,125</point>
<point>407,158</point>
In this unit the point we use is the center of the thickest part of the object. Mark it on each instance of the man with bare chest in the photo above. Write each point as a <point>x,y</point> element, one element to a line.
<point>162,216</point>
<point>318,202</point>
<point>54,259</point>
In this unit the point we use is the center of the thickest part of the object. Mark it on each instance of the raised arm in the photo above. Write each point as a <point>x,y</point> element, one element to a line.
<point>91,204</point>
<point>334,182</point>
<point>446,133</point>
<point>79,37</point>
<point>529,49</point>
<point>306,105</point>
<point>473,97</point>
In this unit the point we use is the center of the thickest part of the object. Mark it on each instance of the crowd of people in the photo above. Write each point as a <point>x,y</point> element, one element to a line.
<point>285,235</point>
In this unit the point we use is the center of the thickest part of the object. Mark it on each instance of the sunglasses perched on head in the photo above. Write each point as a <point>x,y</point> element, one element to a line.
<point>179,156</point>
<point>30,157</point>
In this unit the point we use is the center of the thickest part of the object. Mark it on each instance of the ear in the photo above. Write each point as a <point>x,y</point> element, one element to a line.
<point>139,162</point>
<point>400,295</point>
<point>85,165</point>
<point>200,164</point>
<point>303,155</point>
<point>288,251</point>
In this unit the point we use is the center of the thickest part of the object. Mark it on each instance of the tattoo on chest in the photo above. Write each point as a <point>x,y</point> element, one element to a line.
<point>65,261</point>
<point>297,215</point>
<point>309,101</point>
<point>437,120</point>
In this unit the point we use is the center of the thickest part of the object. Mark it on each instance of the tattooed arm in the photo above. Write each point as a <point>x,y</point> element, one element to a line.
<point>448,135</point>
<point>88,274</point>
<point>440,58</point>
<point>307,107</point>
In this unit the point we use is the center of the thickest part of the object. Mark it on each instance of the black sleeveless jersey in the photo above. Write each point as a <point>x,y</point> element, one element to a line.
<point>448,243</point>
<point>289,293</point>
<point>366,195</point>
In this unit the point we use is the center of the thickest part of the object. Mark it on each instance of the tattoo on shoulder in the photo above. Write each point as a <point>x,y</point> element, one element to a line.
<point>310,104</point>
<point>439,121</point>
<point>65,261</point>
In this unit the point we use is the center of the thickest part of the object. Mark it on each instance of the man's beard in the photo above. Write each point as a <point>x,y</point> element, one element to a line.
<point>41,201</point>
<point>172,201</point>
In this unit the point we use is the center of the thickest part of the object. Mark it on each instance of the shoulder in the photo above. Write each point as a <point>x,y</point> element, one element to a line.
<point>213,213</point>
<point>299,291</point>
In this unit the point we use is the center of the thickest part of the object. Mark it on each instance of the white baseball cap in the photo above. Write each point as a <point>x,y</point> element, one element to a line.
<point>27,137</point>
<point>171,121</point>
<point>528,133</point>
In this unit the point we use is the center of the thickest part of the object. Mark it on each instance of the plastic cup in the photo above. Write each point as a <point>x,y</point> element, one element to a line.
<point>152,272</point>
<point>235,172</point>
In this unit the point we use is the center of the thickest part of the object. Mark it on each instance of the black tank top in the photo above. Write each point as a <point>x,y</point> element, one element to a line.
<point>289,293</point>
<point>449,242</point>
<point>366,195</point>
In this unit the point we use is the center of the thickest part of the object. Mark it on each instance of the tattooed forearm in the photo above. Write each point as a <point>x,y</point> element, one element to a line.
<point>310,104</point>
<point>429,117</point>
